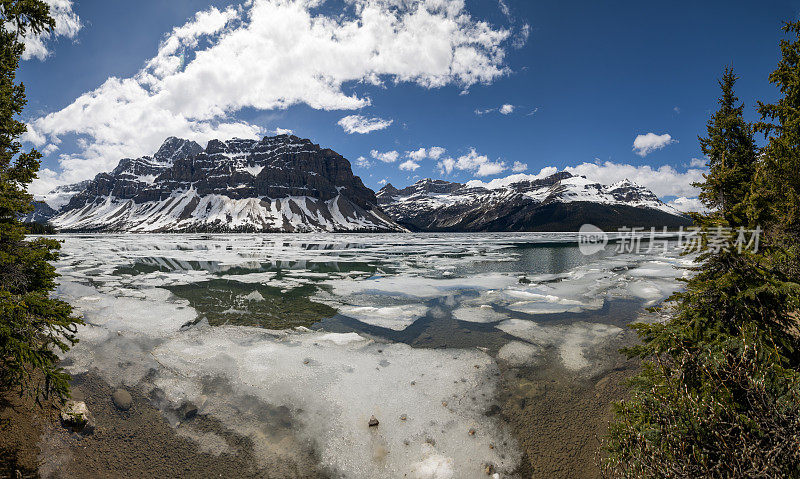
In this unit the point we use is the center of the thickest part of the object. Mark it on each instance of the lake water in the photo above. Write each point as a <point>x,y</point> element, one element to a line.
<point>295,341</point>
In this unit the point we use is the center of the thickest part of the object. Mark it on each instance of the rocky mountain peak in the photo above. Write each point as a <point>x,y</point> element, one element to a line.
<point>279,183</point>
<point>176,149</point>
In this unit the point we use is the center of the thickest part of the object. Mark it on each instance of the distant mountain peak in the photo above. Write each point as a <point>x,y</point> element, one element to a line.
<point>561,201</point>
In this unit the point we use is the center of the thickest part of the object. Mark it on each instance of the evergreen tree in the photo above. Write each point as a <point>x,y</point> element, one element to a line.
<point>719,395</point>
<point>732,154</point>
<point>776,202</point>
<point>33,326</point>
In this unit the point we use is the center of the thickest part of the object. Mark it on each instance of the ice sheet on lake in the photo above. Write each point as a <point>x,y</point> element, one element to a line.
<point>574,343</point>
<point>480,314</point>
<point>397,318</point>
<point>329,384</point>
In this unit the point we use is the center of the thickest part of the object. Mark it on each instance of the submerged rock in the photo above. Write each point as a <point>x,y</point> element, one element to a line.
<point>187,411</point>
<point>122,399</point>
<point>75,415</point>
<point>373,421</point>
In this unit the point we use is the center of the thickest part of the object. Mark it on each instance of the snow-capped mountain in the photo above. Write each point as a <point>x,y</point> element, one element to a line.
<point>560,202</point>
<point>278,184</point>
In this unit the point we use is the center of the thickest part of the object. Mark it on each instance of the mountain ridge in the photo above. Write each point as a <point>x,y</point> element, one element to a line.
<point>559,202</point>
<point>277,184</point>
<point>285,183</point>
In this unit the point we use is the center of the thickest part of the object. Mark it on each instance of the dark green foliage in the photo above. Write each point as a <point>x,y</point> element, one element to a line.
<point>776,200</point>
<point>40,228</point>
<point>32,325</point>
<point>719,395</point>
<point>731,152</point>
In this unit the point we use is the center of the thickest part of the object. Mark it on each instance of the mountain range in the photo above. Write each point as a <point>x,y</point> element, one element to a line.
<point>278,184</point>
<point>287,184</point>
<point>560,202</point>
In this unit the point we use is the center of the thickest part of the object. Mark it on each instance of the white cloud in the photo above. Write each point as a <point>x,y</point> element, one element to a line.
<point>521,37</point>
<point>435,152</point>
<point>409,165</point>
<point>643,145</point>
<point>480,165</point>
<point>361,124</point>
<point>271,54</point>
<point>677,110</point>
<point>698,163</point>
<point>386,157</point>
<point>417,155</point>
<point>283,131</point>
<point>501,182</point>
<point>68,24</point>
<point>504,8</point>
<point>687,205</point>
<point>519,167</point>
<point>362,162</point>
<point>50,148</point>
<point>382,182</point>
<point>505,109</point>
<point>663,181</point>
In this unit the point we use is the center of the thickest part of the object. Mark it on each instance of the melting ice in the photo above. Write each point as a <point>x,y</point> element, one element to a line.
<point>341,327</point>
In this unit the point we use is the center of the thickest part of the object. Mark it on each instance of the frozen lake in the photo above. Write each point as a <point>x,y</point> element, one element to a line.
<point>295,341</point>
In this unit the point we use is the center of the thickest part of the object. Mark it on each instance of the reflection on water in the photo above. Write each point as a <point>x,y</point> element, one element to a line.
<point>223,302</point>
<point>374,283</point>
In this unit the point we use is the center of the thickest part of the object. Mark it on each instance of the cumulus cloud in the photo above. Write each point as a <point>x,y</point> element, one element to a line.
<point>417,155</point>
<point>510,179</point>
<point>409,165</point>
<point>519,167</point>
<point>68,24</point>
<point>361,124</point>
<point>506,109</point>
<point>265,55</point>
<point>643,145</point>
<point>663,181</point>
<point>434,153</point>
<point>362,162</point>
<point>283,131</point>
<point>478,164</point>
<point>698,163</point>
<point>386,157</point>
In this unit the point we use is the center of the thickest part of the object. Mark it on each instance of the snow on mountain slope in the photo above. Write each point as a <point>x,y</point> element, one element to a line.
<point>277,184</point>
<point>558,202</point>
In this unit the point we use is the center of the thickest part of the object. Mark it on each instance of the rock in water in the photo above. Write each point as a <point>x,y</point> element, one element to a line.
<point>122,399</point>
<point>373,421</point>
<point>75,415</point>
<point>187,411</point>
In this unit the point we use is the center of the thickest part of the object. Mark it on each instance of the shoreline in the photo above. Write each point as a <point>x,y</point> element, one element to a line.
<point>557,420</point>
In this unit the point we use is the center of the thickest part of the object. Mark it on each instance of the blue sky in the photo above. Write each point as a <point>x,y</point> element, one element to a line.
<point>583,80</point>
